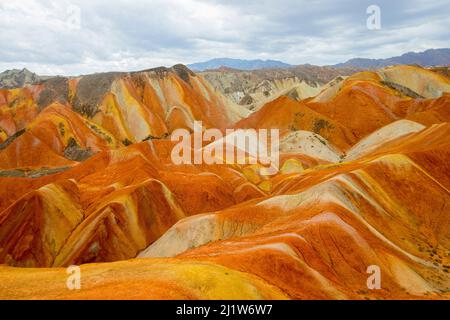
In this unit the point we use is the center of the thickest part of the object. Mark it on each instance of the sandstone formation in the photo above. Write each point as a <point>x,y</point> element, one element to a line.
<point>86,178</point>
<point>252,89</point>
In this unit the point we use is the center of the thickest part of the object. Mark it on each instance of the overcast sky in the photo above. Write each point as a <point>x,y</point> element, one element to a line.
<point>86,36</point>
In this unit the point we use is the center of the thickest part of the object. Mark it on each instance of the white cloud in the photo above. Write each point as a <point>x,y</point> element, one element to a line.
<point>131,35</point>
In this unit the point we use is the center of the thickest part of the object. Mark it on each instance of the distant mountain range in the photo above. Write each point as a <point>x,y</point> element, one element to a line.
<point>431,57</point>
<point>17,78</point>
<point>428,58</point>
<point>237,64</point>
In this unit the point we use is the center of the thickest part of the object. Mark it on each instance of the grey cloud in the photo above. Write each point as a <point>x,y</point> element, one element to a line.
<point>132,35</point>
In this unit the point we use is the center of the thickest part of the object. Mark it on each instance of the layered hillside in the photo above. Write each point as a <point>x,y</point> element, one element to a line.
<point>367,101</point>
<point>253,89</point>
<point>77,117</point>
<point>87,178</point>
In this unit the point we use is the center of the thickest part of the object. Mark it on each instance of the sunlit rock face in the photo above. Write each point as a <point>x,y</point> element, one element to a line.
<point>87,178</point>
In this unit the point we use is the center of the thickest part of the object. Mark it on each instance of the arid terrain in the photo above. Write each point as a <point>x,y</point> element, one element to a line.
<point>86,178</point>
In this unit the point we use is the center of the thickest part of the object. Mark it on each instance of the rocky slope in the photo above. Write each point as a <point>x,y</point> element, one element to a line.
<point>253,89</point>
<point>15,78</point>
<point>81,116</point>
<point>86,178</point>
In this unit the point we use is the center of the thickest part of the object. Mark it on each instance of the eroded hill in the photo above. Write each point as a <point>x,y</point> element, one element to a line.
<point>87,179</point>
